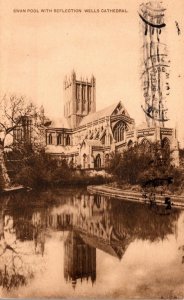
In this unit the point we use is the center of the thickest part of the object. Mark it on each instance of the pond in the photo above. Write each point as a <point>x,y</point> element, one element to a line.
<point>68,243</point>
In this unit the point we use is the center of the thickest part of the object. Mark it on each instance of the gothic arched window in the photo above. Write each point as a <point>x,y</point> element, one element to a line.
<point>50,139</point>
<point>67,140</point>
<point>78,91</point>
<point>97,162</point>
<point>83,92</point>
<point>59,139</point>
<point>145,145</point>
<point>84,161</point>
<point>89,93</point>
<point>165,148</point>
<point>119,131</point>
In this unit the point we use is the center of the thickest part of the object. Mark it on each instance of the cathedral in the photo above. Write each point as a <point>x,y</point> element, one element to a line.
<point>86,137</point>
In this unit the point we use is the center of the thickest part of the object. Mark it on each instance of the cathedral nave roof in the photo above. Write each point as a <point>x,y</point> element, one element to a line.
<point>108,111</point>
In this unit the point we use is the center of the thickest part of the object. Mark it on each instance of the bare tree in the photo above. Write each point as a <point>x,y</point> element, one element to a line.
<point>13,110</point>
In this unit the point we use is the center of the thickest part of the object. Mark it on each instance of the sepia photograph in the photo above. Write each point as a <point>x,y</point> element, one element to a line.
<point>92,149</point>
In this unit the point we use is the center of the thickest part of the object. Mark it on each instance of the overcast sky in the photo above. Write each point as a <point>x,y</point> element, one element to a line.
<point>39,49</point>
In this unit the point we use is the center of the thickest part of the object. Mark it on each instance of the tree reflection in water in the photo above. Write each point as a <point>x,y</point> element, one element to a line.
<point>16,267</point>
<point>11,260</point>
<point>90,221</point>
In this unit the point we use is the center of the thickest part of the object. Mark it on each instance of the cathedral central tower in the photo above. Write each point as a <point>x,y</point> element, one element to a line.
<point>79,98</point>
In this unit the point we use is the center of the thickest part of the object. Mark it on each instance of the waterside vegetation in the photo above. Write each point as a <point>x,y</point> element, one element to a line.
<point>146,168</point>
<point>39,170</point>
<point>137,168</point>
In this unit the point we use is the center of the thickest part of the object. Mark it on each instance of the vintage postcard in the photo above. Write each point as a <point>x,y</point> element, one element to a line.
<point>92,149</point>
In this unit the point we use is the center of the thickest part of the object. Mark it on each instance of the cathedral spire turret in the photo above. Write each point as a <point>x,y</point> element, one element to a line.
<point>73,75</point>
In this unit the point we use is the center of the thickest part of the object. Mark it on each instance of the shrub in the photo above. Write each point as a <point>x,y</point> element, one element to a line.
<point>39,170</point>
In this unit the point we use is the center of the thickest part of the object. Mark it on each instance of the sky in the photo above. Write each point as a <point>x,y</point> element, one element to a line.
<point>39,49</point>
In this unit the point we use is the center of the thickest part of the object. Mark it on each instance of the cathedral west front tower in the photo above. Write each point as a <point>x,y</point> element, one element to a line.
<point>79,99</point>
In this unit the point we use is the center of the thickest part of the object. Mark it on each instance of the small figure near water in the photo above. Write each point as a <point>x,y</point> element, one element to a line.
<point>152,199</point>
<point>168,203</point>
<point>162,209</point>
<point>144,196</point>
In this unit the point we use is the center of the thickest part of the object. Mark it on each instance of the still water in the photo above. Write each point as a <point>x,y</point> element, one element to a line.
<point>68,243</point>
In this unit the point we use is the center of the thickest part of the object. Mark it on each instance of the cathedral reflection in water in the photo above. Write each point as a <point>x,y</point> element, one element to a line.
<point>79,259</point>
<point>88,223</point>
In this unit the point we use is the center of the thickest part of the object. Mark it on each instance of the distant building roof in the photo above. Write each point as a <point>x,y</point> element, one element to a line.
<point>60,123</point>
<point>108,111</point>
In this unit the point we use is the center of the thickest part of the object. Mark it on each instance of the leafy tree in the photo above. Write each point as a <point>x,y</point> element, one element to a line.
<point>39,170</point>
<point>140,163</point>
<point>130,164</point>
